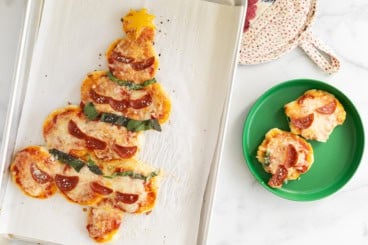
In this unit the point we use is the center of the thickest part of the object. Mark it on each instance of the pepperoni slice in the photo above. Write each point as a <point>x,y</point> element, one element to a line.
<point>328,108</point>
<point>141,102</point>
<point>116,56</point>
<point>119,105</point>
<point>95,144</point>
<point>278,178</point>
<point>304,97</point>
<point>75,131</point>
<point>126,198</point>
<point>141,65</point>
<point>66,183</point>
<point>91,142</point>
<point>291,156</point>
<point>99,99</point>
<point>38,175</point>
<point>100,189</point>
<point>303,122</point>
<point>125,151</point>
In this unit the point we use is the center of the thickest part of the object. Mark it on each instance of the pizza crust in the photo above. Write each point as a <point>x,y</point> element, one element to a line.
<point>99,82</point>
<point>315,114</point>
<point>284,155</point>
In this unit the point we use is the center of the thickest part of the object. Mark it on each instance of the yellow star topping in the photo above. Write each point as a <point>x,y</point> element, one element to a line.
<point>136,20</point>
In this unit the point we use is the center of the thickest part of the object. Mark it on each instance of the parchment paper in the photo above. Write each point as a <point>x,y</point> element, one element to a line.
<point>196,42</point>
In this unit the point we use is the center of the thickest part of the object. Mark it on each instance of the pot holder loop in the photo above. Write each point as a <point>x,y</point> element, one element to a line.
<point>319,53</point>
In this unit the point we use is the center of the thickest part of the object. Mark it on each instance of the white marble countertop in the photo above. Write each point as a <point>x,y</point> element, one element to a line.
<point>244,212</point>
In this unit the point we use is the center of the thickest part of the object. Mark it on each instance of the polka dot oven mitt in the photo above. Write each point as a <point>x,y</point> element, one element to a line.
<point>274,27</point>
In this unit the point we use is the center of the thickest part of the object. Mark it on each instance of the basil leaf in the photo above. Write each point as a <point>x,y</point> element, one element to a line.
<point>130,84</point>
<point>148,82</point>
<point>93,167</point>
<point>90,111</point>
<point>125,83</point>
<point>139,176</point>
<point>114,119</point>
<point>67,159</point>
<point>155,125</point>
<point>125,173</point>
<point>267,160</point>
<point>151,175</point>
<point>130,124</point>
<point>131,174</point>
<point>134,124</point>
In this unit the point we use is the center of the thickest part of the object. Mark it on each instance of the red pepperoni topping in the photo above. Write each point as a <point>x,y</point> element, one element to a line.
<point>75,131</point>
<point>141,65</point>
<point>91,142</point>
<point>328,108</point>
<point>125,151</point>
<point>99,99</point>
<point>141,102</point>
<point>95,144</point>
<point>291,156</point>
<point>278,178</point>
<point>121,105</point>
<point>116,56</point>
<point>304,97</point>
<point>100,189</point>
<point>126,198</point>
<point>303,122</point>
<point>66,183</point>
<point>39,176</point>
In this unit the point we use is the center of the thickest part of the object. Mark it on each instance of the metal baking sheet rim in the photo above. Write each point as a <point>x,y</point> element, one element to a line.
<point>32,20</point>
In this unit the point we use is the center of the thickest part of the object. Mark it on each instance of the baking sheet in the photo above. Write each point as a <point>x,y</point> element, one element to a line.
<point>196,41</point>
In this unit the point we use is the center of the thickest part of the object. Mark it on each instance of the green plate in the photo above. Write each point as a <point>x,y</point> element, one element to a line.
<point>335,161</point>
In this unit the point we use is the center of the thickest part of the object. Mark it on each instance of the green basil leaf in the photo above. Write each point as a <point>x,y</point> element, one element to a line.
<point>134,124</point>
<point>130,84</point>
<point>139,176</point>
<point>114,119</point>
<point>90,111</point>
<point>141,127</point>
<point>93,167</point>
<point>148,82</point>
<point>131,174</point>
<point>267,160</point>
<point>155,125</point>
<point>151,175</point>
<point>125,173</point>
<point>125,83</point>
<point>130,124</point>
<point>67,159</point>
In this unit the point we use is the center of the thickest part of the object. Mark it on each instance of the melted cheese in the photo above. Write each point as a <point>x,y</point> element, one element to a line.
<point>103,223</point>
<point>38,174</point>
<point>82,193</point>
<point>130,186</point>
<point>101,84</point>
<point>139,51</point>
<point>20,170</point>
<point>57,136</point>
<point>323,124</point>
<point>273,152</point>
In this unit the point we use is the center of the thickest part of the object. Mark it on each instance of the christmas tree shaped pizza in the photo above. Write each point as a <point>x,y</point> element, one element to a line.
<point>89,149</point>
